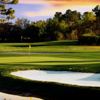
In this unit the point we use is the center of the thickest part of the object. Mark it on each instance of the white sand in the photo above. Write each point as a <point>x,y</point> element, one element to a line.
<point>66,77</point>
<point>15,97</point>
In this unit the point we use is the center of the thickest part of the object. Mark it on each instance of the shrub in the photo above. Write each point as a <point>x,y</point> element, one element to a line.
<point>88,31</point>
<point>88,39</point>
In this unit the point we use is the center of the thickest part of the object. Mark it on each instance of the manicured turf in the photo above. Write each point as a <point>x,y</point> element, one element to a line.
<point>52,46</point>
<point>84,62</point>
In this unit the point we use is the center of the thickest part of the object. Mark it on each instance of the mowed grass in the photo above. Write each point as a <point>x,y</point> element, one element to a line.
<point>86,61</point>
<point>34,60</point>
<point>52,46</point>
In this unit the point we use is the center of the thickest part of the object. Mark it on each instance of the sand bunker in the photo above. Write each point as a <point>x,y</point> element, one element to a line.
<point>15,97</point>
<point>66,77</point>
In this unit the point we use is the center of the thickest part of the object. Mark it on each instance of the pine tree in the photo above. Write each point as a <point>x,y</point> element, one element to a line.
<point>96,10</point>
<point>6,14</point>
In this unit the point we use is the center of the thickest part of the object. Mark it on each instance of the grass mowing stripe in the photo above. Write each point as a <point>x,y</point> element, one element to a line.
<point>95,55</point>
<point>52,46</point>
<point>46,60</point>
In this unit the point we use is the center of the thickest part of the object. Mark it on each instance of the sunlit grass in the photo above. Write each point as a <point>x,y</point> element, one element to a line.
<point>40,60</point>
<point>88,61</point>
<point>52,46</point>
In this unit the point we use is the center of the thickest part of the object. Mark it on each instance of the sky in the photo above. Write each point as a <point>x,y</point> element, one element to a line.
<point>35,10</point>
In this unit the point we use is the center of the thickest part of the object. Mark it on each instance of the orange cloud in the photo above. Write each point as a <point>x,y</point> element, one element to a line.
<point>59,6</point>
<point>61,2</point>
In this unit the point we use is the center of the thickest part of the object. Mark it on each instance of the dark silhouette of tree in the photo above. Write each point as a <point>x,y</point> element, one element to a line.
<point>58,15</point>
<point>88,16</point>
<point>52,29</point>
<point>72,16</point>
<point>9,1</point>
<point>96,10</point>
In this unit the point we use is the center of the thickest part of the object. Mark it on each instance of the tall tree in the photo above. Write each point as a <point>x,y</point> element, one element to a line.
<point>6,14</point>
<point>9,1</point>
<point>58,15</point>
<point>10,13</point>
<point>23,23</point>
<point>96,10</point>
<point>63,26</point>
<point>71,16</point>
<point>88,16</point>
<point>52,29</point>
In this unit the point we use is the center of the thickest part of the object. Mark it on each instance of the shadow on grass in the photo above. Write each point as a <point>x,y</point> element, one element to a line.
<point>58,43</point>
<point>47,90</point>
<point>93,68</point>
<point>63,61</point>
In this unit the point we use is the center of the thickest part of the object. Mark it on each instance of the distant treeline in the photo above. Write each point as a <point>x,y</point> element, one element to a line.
<point>70,25</point>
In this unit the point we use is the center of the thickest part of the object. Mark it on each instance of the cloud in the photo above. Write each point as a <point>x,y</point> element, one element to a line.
<point>61,2</point>
<point>50,11</point>
<point>44,12</point>
<point>59,6</point>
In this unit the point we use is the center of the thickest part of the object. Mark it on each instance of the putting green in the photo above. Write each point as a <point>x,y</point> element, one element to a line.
<point>46,60</point>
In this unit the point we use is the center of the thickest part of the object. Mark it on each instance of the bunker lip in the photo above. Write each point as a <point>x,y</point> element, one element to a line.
<point>21,93</point>
<point>16,97</point>
<point>64,77</point>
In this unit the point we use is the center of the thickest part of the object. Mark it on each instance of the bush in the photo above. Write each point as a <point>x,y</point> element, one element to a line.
<point>88,31</point>
<point>88,39</point>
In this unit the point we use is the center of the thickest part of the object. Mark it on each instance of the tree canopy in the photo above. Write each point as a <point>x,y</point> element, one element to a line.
<point>88,16</point>
<point>9,1</point>
<point>96,10</point>
<point>68,25</point>
<point>22,23</point>
<point>6,14</point>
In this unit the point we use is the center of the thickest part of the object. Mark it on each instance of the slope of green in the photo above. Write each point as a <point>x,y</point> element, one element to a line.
<point>52,46</point>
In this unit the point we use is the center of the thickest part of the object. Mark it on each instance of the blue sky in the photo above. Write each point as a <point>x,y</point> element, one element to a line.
<point>35,10</point>
<point>21,9</point>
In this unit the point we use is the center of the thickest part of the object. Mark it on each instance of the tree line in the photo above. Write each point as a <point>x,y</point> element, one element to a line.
<point>70,25</point>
